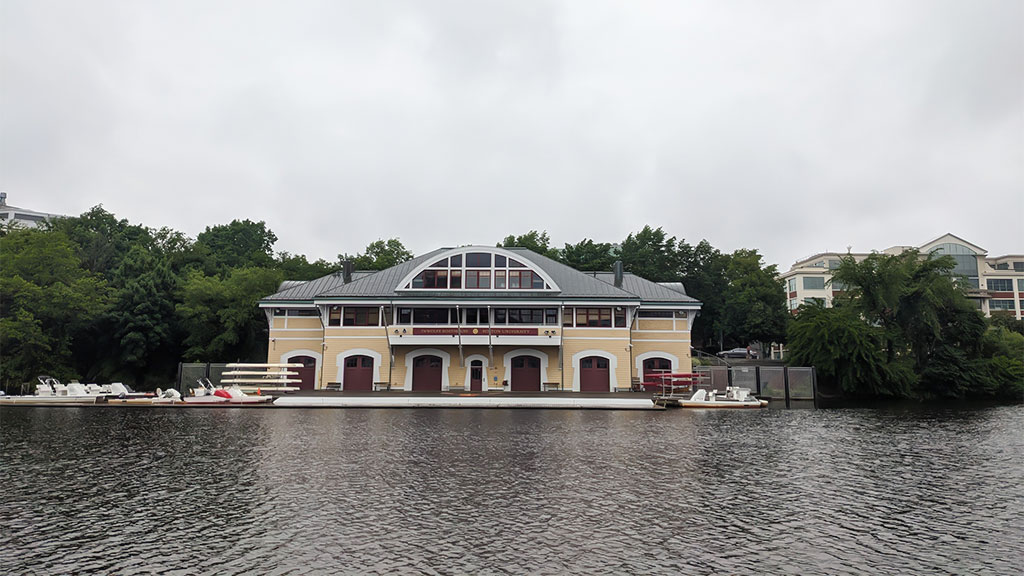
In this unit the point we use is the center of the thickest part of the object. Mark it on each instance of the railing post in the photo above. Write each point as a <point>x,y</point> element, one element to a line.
<point>785,379</point>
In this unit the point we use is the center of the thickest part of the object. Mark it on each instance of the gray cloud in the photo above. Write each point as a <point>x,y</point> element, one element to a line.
<point>793,127</point>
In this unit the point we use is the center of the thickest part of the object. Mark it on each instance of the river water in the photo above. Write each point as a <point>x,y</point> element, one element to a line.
<point>298,491</point>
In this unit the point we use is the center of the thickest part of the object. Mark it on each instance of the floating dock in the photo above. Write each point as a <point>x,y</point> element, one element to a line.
<point>608,402</point>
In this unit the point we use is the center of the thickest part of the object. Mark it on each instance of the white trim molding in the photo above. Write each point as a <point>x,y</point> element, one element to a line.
<point>377,361</point>
<point>315,355</point>
<point>446,362</point>
<point>469,362</point>
<point>507,362</point>
<point>655,354</point>
<point>613,363</point>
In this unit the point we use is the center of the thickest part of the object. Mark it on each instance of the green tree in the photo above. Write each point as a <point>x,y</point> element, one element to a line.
<point>703,271</point>
<point>755,301</point>
<point>847,352</point>
<point>651,254</point>
<point>45,298</point>
<point>101,239</point>
<point>220,316</point>
<point>534,241</point>
<point>242,243</point>
<point>379,255</point>
<point>589,256</point>
<point>296,267</point>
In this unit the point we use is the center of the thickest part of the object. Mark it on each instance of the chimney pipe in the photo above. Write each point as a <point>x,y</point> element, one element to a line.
<point>346,270</point>
<point>617,269</point>
<point>3,198</point>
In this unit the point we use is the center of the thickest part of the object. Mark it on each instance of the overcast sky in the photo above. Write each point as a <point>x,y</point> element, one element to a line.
<point>791,127</point>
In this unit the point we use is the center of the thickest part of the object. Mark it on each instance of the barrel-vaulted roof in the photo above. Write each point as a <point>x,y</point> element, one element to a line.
<point>571,284</point>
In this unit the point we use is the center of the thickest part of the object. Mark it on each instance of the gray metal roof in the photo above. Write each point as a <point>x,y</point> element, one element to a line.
<point>572,284</point>
<point>646,290</point>
<point>307,290</point>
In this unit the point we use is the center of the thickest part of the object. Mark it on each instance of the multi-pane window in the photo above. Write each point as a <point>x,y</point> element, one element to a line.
<point>1020,284</point>
<point>361,316</point>
<point>838,285</point>
<point>812,301</point>
<point>654,313</point>
<point>1018,266</point>
<point>334,316</point>
<point>526,316</point>
<point>814,282</point>
<point>594,317</point>
<point>433,316</point>
<point>1001,305</point>
<point>792,284</point>
<point>794,303</point>
<point>477,274</point>
<point>567,315</point>
<point>833,264</point>
<point>1000,284</point>
<point>476,315</point>
<point>620,317</point>
<point>306,312</point>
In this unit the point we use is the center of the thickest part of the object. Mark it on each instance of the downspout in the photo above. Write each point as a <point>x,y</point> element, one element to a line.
<point>632,361</point>
<point>561,343</point>
<point>323,344</point>
<point>490,347</point>
<point>391,347</point>
<point>458,329</point>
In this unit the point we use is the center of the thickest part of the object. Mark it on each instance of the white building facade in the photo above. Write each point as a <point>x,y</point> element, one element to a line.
<point>995,284</point>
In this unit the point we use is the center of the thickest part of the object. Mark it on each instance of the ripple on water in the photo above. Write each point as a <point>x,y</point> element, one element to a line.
<point>510,492</point>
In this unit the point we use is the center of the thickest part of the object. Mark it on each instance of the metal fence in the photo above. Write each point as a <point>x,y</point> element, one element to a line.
<point>189,372</point>
<point>782,383</point>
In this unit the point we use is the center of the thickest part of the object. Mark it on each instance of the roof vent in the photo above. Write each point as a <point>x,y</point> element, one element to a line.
<point>3,198</point>
<point>617,269</point>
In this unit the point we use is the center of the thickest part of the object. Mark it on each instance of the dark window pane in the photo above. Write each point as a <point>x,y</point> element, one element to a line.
<point>456,261</point>
<point>417,282</point>
<point>551,316</point>
<point>440,264</point>
<point>456,281</point>
<point>405,315</point>
<point>351,362</point>
<point>567,317</point>
<point>430,315</point>
<point>587,363</point>
<point>538,282</point>
<point>478,260</point>
<point>499,315</point>
<point>499,261</point>
<point>515,263</point>
<point>620,317</point>
<point>367,362</point>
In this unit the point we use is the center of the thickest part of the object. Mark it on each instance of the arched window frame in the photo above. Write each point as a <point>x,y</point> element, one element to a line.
<point>549,284</point>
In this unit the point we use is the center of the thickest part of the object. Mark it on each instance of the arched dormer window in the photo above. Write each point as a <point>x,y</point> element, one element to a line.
<point>476,268</point>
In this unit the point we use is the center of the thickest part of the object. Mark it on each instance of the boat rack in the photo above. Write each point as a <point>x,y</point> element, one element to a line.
<point>270,377</point>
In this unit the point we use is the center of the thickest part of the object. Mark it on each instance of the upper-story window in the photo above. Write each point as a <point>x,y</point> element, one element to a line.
<point>362,316</point>
<point>814,282</point>
<point>1000,284</point>
<point>478,270</point>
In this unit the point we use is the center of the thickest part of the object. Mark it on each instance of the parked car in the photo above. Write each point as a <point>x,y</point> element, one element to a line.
<point>736,353</point>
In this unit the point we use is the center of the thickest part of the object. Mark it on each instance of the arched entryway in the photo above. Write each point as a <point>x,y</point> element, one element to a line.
<point>426,373</point>
<point>655,367</point>
<point>594,374</point>
<point>525,374</point>
<point>476,376</point>
<point>306,374</point>
<point>358,374</point>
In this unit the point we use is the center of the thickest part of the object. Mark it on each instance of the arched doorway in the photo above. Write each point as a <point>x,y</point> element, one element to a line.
<point>594,374</point>
<point>426,374</point>
<point>476,376</point>
<point>525,374</point>
<point>306,374</point>
<point>358,374</point>
<point>655,367</point>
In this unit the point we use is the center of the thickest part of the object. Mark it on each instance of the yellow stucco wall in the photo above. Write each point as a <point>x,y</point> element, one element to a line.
<point>333,344</point>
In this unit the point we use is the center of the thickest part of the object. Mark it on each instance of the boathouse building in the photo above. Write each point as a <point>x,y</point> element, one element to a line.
<point>480,319</point>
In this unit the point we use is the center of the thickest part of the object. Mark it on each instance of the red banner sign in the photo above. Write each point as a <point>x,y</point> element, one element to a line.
<point>479,331</point>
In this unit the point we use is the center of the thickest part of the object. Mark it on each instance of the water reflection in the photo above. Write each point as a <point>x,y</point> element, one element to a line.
<point>510,491</point>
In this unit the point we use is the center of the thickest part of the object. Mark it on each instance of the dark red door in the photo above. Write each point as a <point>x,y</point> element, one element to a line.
<point>525,374</point>
<point>476,376</point>
<point>307,374</point>
<point>426,374</point>
<point>594,374</point>
<point>655,367</point>
<point>358,374</point>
